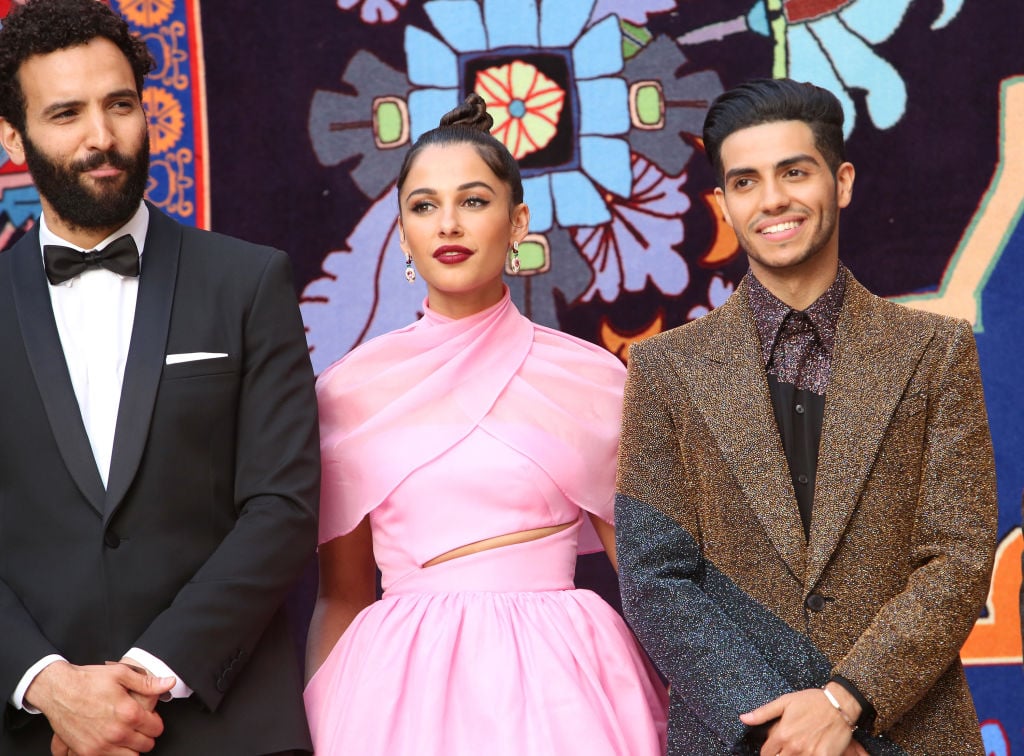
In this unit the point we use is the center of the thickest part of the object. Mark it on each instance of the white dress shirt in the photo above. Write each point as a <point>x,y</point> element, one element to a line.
<point>95,312</point>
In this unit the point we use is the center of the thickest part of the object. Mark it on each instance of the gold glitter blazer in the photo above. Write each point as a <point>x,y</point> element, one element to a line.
<point>720,584</point>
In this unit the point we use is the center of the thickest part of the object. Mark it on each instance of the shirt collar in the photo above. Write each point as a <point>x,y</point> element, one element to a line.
<point>137,226</point>
<point>770,312</point>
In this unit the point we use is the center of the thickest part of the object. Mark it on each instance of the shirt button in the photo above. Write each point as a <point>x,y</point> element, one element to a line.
<point>799,409</point>
<point>801,478</point>
<point>815,602</point>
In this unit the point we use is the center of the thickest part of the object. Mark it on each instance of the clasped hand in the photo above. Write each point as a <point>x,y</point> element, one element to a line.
<point>99,710</point>
<point>807,725</point>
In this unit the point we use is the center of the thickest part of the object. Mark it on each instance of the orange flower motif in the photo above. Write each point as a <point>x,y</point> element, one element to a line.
<point>524,103</point>
<point>165,116</point>
<point>147,13</point>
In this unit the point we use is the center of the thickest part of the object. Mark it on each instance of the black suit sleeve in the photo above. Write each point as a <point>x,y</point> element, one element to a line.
<point>22,640</point>
<point>213,624</point>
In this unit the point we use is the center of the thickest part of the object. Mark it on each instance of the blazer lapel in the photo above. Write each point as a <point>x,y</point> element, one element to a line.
<point>46,356</point>
<point>862,394</point>
<point>146,354</point>
<point>747,432</point>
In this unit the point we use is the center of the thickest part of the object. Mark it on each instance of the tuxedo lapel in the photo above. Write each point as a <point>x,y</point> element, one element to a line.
<point>46,356</point>
<point>157,278</point>
<point>866,381</point>
<point>746,431</point>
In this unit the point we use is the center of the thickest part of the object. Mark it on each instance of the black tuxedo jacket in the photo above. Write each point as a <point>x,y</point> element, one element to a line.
<point>210,509</point>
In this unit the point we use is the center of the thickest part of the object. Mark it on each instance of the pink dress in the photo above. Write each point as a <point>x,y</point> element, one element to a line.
<point>449,432</point>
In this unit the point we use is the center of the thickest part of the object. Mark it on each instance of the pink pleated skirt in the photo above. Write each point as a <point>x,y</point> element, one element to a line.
<point>492,653</point>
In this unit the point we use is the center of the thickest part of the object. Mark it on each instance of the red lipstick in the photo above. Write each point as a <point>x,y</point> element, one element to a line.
<point>452,254</point>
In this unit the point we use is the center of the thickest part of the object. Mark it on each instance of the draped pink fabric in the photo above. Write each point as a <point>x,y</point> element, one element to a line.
<point>547,395</point>
<point>446,433</point>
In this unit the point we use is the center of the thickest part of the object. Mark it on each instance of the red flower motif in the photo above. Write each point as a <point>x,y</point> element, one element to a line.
<point>524,103</point>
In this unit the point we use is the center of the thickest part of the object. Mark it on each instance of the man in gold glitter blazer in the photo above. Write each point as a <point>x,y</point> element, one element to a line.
<point>806,503</point>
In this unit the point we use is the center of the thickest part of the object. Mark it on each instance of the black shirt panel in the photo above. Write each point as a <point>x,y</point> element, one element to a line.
<point>799,414</point>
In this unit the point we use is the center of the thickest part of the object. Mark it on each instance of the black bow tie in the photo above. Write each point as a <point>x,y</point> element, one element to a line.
<point>64,263</point>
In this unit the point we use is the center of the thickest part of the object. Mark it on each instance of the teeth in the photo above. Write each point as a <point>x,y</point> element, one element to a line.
<point>778,227</point>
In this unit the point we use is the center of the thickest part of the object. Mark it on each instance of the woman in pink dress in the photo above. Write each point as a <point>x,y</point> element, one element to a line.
<point>464,455</point>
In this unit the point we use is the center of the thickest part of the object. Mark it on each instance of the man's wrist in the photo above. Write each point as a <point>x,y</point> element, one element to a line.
<point>17,699</point>
<point>157,667</point>
<point>843,702</point>
<point>38,693</point>
<point>866,719</point>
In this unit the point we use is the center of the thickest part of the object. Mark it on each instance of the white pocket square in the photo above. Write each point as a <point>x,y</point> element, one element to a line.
<point>174,359</point>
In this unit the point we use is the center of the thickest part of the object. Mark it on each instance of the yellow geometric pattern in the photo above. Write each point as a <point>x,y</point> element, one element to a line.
<point>524,103</point>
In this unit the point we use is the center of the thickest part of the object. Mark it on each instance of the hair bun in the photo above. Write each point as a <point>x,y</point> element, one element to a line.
<point>472,113</point>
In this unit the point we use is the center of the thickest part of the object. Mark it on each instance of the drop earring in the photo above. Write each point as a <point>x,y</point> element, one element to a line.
<point>514,265</point>
<point>410,272</point>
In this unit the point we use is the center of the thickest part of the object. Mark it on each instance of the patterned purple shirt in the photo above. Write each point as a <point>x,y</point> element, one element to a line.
<point>797,345</point>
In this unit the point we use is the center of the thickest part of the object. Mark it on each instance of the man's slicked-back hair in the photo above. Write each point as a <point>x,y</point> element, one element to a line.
<point>40,27</point>
<point>767,101</point>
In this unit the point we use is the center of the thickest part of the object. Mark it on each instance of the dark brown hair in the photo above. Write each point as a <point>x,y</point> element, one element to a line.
<point>470,123</point>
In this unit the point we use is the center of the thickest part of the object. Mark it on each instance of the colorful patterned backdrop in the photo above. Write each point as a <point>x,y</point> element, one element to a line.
<point>285,123</point>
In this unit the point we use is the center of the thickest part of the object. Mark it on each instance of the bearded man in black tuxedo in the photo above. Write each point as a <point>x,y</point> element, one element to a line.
<point>159,462</point>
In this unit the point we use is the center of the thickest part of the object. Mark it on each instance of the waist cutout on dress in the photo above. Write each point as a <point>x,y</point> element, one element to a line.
<point>543,564</point>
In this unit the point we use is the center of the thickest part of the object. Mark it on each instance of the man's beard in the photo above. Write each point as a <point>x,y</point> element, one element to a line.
<point>82,207</point>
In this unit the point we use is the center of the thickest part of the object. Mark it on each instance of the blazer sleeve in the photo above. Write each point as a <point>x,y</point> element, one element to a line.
<point>22,646</point>
<point>707,657</point>
<point>210,629</point>
<point>917,634</point>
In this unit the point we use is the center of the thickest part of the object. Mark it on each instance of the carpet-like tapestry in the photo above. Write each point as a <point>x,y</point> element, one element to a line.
<point>285,123</point>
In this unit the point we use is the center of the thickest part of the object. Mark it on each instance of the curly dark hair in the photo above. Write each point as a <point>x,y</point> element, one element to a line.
<point>40,27</point>
<point>470,123</point>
